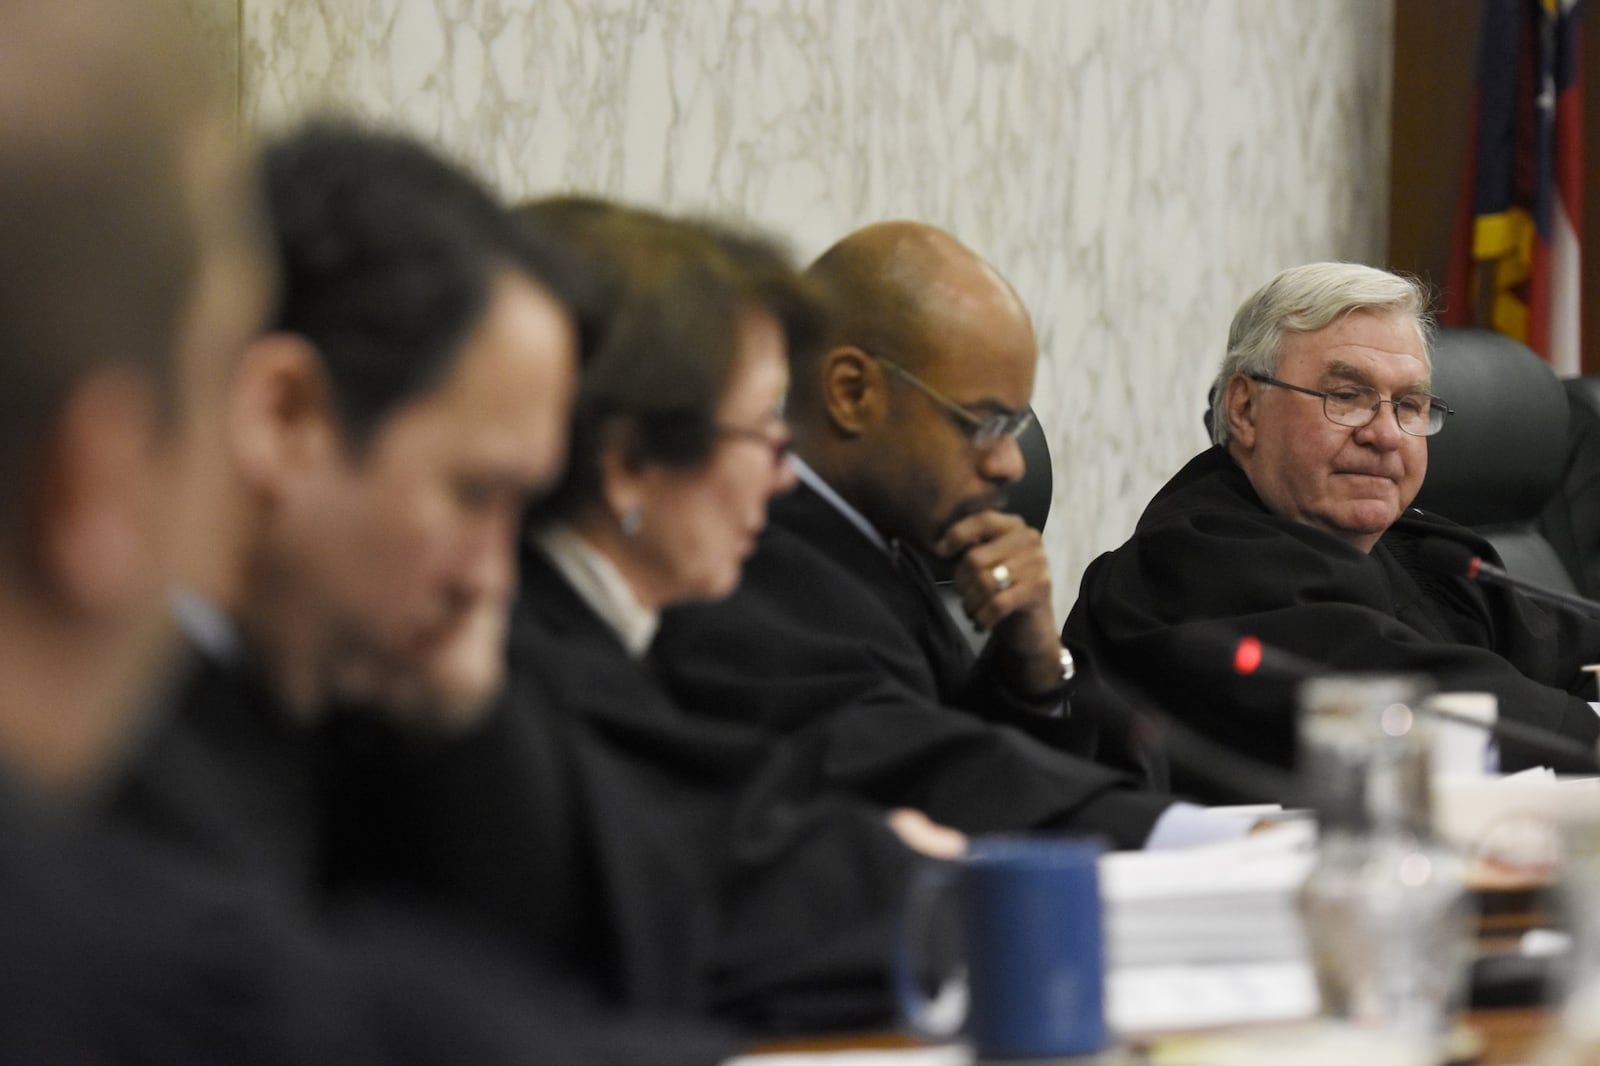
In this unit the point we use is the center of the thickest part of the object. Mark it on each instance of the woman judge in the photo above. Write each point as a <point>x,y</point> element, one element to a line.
<point>657,853</point>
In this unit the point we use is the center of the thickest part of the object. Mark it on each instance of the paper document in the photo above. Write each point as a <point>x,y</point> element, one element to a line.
<point>1150,1000</point>
<point>1231,902</point>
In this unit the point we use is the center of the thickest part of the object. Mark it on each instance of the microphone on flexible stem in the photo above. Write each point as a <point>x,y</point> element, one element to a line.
<point>1455,559</point>
<point>1251,658</point>
<point>1497,979</point>
<point>1127,702</point>
<point>1241,778</point>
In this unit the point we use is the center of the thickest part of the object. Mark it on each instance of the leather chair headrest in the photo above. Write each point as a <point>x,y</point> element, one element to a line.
<point>1500,456</point>
<point>1029,498</point>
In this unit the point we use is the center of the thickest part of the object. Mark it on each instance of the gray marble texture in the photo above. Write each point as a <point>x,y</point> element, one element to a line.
<point>1135,167</point>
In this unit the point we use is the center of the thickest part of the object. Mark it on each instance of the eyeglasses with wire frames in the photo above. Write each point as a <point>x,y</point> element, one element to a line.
<point>1420,414</point>
<point>777,439</point>
<point>983,429</point>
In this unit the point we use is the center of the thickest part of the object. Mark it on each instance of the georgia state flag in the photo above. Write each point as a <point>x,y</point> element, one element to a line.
<point>1516,264</point>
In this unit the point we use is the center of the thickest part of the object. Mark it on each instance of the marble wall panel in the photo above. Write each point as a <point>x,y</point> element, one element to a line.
<point>1135,168</point>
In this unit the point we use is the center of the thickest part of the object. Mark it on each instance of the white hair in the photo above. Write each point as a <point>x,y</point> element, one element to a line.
<point>1304,299</point>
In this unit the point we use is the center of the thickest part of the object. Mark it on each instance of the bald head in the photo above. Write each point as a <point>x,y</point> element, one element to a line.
<point>928,343</point>
<point>97,250</point>
<point>900,287</point>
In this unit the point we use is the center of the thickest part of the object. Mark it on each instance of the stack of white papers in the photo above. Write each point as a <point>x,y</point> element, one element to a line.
<point>1148,1001</point>
<point>1208,936</point>
<point>1228,902</point>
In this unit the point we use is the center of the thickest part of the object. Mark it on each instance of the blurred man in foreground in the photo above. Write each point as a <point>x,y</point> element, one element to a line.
<point>125,291</point>
<point>102,436</point>
<point>1297,528</point>
<point>385,434</point>
<point>132,272</point>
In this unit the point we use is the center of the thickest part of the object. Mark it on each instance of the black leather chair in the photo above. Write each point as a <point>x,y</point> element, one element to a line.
<point>1029,498</point>
<point>1571,519</point>
<point>1499,461</point>
<point>1584,393</point>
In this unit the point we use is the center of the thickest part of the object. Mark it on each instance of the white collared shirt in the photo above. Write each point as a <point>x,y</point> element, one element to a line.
<point>814,481</point>
<point>206,625</point>
<point>600,585</point>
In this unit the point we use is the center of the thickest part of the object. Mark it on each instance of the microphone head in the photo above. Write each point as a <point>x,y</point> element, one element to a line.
<point>1226,651</point>
<point>1247,656</point>
<point>1448,557</point>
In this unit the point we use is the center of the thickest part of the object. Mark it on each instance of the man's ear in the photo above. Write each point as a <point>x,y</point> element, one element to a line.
<point>1239,409</point>
<point>101,539</point>
<point>853,392</point>
<point>281,411</point>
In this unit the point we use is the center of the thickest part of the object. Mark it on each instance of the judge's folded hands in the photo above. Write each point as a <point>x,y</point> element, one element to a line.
<point>1003,578</point>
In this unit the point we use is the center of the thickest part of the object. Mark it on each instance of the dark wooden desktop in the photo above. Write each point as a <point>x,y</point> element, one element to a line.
<point>1510,1035</point>
<point>1507,1037</point>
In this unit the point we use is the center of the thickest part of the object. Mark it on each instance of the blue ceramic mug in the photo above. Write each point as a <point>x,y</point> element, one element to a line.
<point>1027,916</point>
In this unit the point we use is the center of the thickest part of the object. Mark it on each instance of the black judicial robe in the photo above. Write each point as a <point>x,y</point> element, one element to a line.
<point>234,790</point>
<point>683,862</point>
<point>102,965</point>
<point>230,778</point>
<point>828,644</point>
<point>116,952</point>
<point>1208,563</point>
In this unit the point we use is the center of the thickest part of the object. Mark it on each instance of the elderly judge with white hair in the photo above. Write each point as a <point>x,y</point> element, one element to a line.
<point>1297,527</point>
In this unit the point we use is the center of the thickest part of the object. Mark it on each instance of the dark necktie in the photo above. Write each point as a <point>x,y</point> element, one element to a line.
<point>949,654</point>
